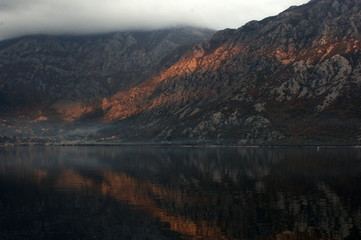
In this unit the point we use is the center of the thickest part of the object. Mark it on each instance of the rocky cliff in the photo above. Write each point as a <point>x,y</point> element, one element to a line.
<point>289,79</point>
<point>292,78</point>
<point>67,73</point>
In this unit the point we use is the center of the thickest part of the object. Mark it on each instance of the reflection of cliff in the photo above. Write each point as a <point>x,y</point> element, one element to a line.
<point>69,180</point>
<point>332,205</point>
<point>196,165</point>
<point>164,204</point>
<point>298,235</point>
<point>171,206</point>
<point>212,193</point>
<point>140,195</point>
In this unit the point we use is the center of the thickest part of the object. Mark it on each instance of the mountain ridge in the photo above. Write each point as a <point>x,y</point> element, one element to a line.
<point>87,68</point>
<point>271,56</point>
<point>293,78</point>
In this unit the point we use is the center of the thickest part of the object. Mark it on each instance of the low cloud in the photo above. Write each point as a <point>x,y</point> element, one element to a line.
<point>23,17</point>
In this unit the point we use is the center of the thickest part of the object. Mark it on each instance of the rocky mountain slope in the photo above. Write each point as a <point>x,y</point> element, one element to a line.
<point>289,79</point>
<point>292,78</point>
<point>66,73</point>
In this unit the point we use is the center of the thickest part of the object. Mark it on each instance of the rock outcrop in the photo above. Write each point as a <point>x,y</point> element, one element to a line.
<point>289,79</point>
<point>72,72</point>
<point>292,78</point>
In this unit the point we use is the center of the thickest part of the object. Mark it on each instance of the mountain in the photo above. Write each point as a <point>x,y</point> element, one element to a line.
<point>69,72</point>
<point>289,79</point>
<point>292,78</point>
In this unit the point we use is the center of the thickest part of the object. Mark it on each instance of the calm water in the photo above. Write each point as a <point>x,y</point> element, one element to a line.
<point>179,193</point>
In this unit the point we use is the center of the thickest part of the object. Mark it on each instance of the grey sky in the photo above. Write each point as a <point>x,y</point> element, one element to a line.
<point>21,17</point>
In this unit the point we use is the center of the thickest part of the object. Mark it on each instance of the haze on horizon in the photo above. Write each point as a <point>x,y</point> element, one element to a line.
<point>24,17</point>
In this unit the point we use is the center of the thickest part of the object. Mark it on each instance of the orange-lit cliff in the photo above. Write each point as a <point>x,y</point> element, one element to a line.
<point>270,81</point>
<point>293,78</point>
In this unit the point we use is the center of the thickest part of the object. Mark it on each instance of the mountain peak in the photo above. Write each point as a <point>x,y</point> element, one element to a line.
<point>241,84</point>
<point>289,79</point>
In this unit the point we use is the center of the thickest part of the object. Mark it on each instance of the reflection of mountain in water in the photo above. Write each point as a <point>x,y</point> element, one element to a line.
<point>196,193</point>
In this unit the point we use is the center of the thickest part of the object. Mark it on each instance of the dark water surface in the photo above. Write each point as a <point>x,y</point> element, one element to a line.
<point>179,193</point>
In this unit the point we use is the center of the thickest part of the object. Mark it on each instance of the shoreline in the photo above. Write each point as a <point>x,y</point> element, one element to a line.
<point>182,145</point>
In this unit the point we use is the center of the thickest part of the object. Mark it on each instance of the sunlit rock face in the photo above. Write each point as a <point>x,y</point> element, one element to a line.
<point>292,78</point>
<point>289,79</point>
<point>67,75</point>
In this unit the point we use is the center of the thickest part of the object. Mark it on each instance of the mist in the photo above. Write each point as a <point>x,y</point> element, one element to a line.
<point>24,17</point>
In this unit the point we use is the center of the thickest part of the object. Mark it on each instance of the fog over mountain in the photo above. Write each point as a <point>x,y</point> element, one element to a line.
<point>25,17</point>
<point>293,78</point>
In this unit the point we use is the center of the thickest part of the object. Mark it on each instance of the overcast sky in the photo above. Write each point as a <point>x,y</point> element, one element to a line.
<point>22,17</point>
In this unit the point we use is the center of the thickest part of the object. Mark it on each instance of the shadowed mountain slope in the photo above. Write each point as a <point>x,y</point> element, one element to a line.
<point>292,78</point>
<point>289,79</point>
<point>65,72</point>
